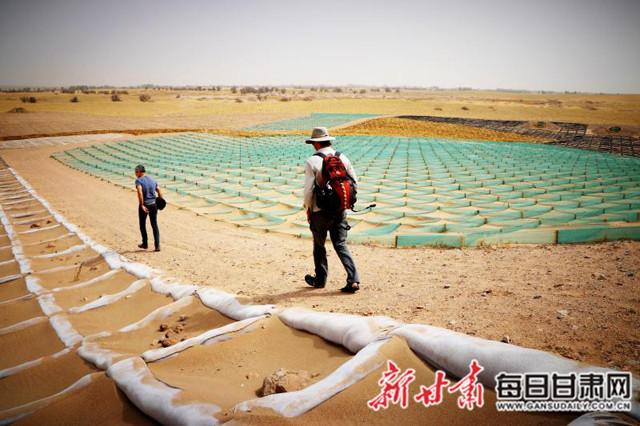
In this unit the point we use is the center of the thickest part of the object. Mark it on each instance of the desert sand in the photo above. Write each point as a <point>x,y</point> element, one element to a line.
<point>99,403</point>
<point>44,372</point>
<point>77,307</point>
<point>53,113</point>
<point>492,292</point>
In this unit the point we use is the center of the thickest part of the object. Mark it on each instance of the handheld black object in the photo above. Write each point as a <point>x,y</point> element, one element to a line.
<point>369,207</point>
<point>161,203</point>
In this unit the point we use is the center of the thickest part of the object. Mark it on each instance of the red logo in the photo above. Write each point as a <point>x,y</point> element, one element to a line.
<point>394,388</point>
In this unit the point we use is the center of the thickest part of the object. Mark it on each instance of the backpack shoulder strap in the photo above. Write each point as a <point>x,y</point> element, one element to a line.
<point>321,155</point>
<point>337,154</point>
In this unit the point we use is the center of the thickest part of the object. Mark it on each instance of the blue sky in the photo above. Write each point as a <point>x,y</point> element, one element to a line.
<point>583,45</point>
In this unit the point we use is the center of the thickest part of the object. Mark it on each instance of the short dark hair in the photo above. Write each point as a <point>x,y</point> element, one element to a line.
<point>324,143</point>
<point>140,168</point>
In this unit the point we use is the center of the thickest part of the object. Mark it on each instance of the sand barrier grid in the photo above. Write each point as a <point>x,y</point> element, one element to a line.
<point>428,192</point>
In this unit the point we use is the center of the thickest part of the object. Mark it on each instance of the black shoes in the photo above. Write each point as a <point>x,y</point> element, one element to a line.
<point>350,288</point>
<point>145,246</point>
<point>311,280</point>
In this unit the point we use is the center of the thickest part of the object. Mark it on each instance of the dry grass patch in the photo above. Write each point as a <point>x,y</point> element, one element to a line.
<point>406,127</point>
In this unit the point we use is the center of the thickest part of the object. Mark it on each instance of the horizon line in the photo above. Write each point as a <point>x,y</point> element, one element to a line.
<point>434,88</point>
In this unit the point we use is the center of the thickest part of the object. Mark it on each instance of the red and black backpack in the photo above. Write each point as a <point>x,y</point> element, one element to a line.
<point>336,191</point>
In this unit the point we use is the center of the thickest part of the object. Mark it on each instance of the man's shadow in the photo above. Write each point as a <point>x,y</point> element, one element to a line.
<point>307,292</point>
<point>136,251</point>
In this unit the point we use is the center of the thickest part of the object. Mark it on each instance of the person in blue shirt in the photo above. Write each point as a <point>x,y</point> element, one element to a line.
<point>146,188</point>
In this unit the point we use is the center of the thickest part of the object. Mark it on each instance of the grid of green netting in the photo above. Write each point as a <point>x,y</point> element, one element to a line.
<point>315,119</point>
<point>427,191</point>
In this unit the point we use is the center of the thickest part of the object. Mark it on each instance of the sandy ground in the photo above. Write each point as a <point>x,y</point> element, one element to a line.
<point>53,113</point>
<point>342,410</point>
<point>580,301</point>
<point>46,122</point>
<point>99,403</point>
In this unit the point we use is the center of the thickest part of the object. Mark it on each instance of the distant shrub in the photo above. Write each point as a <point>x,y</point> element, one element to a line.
<point>248,89</point>
<point>337,90</point>
<point>74,100</point>
<point>144,97</point>
<point>234,90</point>
<point>438,109</point>
<point>285,99</point>
<point>178,96</point>
<point>29,99</point>
<point>363,91</point>
<point>615,129</point>
<point>387,90</point>
<point>464,108</point>
<point>18,110</point>
<point>539,124</point>
<point>115,98</point>
<point>307,98</point>
<point>238,100</point>
<point>397,90</point>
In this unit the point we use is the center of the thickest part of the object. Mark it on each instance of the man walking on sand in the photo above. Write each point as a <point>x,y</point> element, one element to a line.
<point>146,188</point>
<point>333,221</point>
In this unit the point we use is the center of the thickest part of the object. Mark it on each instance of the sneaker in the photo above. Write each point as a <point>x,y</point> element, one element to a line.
<point>311,280</point>
<point>143,246</point>
<point>157,249</point>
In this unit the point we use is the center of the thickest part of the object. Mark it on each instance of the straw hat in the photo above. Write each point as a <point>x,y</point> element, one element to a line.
<point>320,134</point>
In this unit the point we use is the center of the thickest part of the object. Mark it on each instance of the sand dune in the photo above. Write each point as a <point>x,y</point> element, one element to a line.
<point>349,406</point>
<point>240,364</point>
<point>13,289</point>
<point>99,403</point>
<point>90,290</point>
<point>50,376</point>
<point>6,254</point>
<point>29,343</point>
<point>37,235</point>
<point>18,311</point>
<point>52,246</point>
<point>67,259</point>
<point>91,268</point>
<point>113,316</point>
<point>9,267</point>
<point>179,325</point>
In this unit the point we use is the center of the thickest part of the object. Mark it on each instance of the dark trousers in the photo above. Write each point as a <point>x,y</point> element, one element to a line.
<point>153,218</point>
<point>337,227</point>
